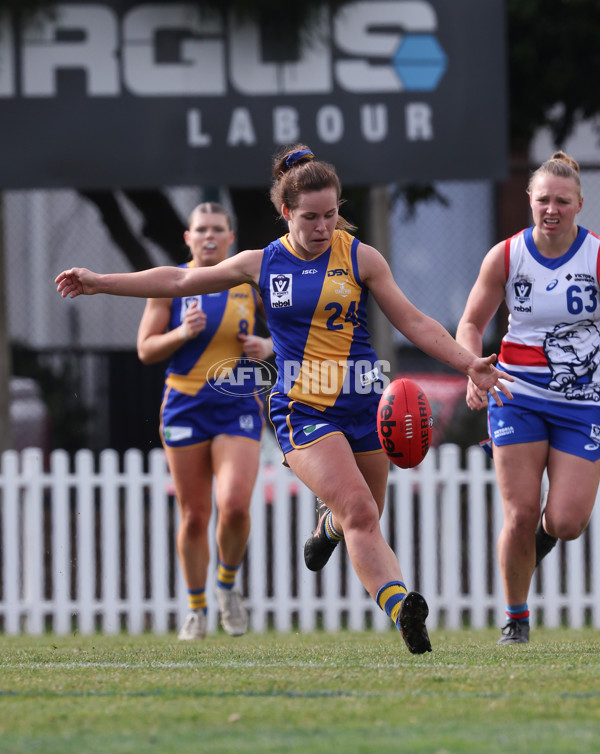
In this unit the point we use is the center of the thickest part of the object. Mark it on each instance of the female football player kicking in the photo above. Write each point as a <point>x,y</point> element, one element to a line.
<point>314,282</point>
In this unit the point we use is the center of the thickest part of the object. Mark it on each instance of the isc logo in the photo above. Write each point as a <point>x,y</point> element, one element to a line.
<point>382,47</point>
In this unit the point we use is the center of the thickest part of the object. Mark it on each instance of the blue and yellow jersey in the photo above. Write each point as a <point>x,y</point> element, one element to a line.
<point>316,311</point>
<point>217,348</point>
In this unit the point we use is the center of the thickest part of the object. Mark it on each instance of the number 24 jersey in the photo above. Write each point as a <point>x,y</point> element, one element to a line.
<point>316,310</point>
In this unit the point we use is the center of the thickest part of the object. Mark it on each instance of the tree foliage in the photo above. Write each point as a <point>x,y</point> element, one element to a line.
<point>27,8</point>
<point>291,18</point>
<point>554,62</point>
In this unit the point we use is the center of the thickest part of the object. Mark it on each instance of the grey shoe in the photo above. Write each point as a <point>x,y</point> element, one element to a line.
<point>194,627</point>
<point>413,612</point>
<point>515,633</point>
<point>234,617</point>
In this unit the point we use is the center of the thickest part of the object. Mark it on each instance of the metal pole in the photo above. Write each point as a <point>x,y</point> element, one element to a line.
<point>382,331</point>
<point>6,438</point>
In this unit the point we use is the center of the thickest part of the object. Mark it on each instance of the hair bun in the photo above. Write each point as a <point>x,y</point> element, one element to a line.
<point>298,157</point>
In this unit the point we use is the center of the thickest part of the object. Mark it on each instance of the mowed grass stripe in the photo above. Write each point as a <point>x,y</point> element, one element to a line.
<point>49,693</point>
<point>200,664</point>
<point>360,693</point>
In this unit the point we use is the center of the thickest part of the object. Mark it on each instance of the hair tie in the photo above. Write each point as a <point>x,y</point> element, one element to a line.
<point>296,158</point>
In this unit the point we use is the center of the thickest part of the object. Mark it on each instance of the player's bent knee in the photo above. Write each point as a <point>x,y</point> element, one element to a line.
<point>234,517</point>
<point>194,525</point>
<point>362,516</point>
<point>568,531</point>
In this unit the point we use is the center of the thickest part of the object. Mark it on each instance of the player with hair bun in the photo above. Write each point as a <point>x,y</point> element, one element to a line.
<point>548,276</point>
<point>314,282</point>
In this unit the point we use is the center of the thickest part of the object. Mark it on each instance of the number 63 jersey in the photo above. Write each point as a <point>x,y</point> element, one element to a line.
<point>316,311</point>
<point>552,346</point>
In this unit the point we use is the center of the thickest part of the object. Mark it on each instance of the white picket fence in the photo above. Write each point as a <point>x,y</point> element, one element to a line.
<point>89,546</point>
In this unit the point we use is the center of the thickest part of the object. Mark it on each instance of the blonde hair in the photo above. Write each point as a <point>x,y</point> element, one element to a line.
<point>210,208</point>
<point>559,165</point>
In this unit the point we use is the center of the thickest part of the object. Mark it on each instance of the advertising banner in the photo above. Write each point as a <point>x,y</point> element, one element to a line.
<point>138,94</point>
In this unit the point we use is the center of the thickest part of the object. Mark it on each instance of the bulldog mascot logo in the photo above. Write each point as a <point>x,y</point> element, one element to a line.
<point>573,356</point>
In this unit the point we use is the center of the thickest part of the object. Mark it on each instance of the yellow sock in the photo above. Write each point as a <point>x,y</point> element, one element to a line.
<point>226,575</point>
<point>197,599</point>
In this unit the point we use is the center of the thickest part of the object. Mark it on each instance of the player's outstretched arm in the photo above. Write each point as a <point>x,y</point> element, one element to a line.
<point>424,331</point>
<point>76,282</point>
<point>163,282</point>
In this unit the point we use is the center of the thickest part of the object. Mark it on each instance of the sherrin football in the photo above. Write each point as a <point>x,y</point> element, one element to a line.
<point>404,423</point>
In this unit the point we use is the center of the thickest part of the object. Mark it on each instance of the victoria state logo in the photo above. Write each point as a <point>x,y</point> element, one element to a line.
<point>522,288</point>
<point>280,289</point>
<point>241,377</point>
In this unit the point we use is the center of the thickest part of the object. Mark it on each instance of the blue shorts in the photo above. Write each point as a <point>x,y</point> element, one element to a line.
<point>298,425</point>
<point>192,419</point>
<point>569,427</point>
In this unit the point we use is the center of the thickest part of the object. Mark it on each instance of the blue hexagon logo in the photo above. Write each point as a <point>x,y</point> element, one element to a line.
<point>420,62</point>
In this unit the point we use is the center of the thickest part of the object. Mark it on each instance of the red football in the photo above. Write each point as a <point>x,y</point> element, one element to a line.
<point>404,423</point>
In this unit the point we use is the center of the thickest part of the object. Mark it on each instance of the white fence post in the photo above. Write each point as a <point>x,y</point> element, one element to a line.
<point>594,539</point>
<point>10,556</point>
<point>85,542</point>
<point>33,540</point>
<point>159,544</point>
<point>450,545</point>
<point>480,558</point>
<point>88,544</point>
<point>109,465</point>
<point>134,533</point>
<point>60,544</point>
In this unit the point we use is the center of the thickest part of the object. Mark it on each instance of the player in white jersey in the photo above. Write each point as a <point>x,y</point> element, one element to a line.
<point>548,277</point>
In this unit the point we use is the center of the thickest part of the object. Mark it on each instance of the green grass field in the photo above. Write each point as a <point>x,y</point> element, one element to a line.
<point>344,692</point>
